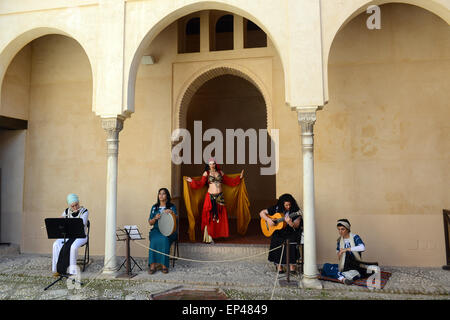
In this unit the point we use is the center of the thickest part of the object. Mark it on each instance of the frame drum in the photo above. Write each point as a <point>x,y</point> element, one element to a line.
<point>167,223</point>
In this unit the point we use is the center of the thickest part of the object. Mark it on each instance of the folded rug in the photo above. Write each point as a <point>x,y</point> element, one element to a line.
<point>384,277</point>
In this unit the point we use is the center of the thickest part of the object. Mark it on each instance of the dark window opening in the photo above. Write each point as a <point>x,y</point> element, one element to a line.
<point>193,26</point>
<point>189,39</point>
<point>224,33</point>
<point>254,36</point>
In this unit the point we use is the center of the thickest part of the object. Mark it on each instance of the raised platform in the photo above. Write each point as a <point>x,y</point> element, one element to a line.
<point>236,246</point>
<point>253,235</point>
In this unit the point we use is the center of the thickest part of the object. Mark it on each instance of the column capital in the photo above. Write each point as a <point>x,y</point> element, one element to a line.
<point>113,123</point>
<point>307,121</point>
<point>112,126</point>
<point>306,113</point>
<point>307,117</point>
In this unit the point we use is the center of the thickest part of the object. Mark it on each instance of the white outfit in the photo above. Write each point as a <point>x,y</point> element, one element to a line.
<point>58,244</point>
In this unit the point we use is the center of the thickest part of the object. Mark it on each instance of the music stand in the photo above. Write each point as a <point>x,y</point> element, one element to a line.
<point>126,234</point>
<point>64,228</point>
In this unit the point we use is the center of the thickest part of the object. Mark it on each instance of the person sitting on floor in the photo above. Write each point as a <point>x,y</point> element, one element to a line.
<point>349,251</point>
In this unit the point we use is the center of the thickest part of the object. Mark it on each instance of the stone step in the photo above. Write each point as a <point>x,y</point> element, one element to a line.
<point>9,248</point>
<point>220,251</point>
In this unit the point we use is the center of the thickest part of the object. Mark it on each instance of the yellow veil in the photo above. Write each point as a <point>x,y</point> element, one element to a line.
<point>236,201</point>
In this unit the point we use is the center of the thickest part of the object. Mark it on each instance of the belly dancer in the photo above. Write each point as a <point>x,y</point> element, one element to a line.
<point>214,213</point>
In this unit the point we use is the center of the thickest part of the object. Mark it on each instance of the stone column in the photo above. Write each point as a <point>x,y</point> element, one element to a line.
<point>306,119</point>
<point>238,32</point>
<point>112,126</point>
<point>204,31</point>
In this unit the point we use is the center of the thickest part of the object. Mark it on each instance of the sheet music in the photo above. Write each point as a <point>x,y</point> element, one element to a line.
<point>134,232</point>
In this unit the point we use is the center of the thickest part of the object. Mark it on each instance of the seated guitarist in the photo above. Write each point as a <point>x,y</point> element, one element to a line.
<point>286,204</point>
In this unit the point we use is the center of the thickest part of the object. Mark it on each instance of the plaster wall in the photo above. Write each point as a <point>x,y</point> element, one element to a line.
<point>65,143</point>
<point>382,150</point>
<point>381,143</point>
<point>16,86</point>
<point>12,163</point>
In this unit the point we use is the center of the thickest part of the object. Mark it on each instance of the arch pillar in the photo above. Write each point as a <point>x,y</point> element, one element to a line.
<point>307,119</point>
<point>112,126</point>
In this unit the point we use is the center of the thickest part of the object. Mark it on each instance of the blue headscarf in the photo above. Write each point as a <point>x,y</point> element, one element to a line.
<point>71,198</point>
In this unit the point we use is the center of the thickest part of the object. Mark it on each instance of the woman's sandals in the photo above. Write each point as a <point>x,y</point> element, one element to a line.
<point>153,269</point>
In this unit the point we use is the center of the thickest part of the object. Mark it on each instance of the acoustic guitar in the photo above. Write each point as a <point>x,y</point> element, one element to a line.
<point>278,219</point>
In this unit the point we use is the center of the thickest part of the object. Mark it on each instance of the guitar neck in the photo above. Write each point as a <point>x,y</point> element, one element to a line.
<point>291,215</point>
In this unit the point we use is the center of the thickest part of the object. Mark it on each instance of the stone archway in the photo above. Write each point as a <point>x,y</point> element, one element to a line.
<point>204,75</point>
<point>348,13</point>
<point>172,13</point>
<point>50,93</point>
<point>202,92</point>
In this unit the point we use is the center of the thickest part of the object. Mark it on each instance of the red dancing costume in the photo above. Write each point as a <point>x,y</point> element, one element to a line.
<point>214,213</point>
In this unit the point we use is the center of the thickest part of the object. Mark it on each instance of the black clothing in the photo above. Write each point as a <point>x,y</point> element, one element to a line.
<point>280,236</point>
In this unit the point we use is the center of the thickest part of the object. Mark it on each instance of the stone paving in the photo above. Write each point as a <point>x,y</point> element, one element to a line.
<point>24,276</point>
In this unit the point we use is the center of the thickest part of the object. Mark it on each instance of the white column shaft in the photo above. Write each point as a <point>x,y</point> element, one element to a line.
<point>310,267</point>
<point>310,271</point>
<point>112,127</point>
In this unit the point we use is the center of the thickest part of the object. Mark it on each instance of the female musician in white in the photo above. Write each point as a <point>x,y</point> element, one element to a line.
<point>158,241</point>
<point>73,211</point>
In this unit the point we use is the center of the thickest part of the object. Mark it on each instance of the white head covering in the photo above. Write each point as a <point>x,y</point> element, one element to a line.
<point>344,223</point>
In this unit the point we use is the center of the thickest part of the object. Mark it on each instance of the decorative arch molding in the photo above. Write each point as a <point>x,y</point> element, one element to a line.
<point>213,71</point>
<point>433,6</point>
<point>437,7</point>
<point>171,15</point>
